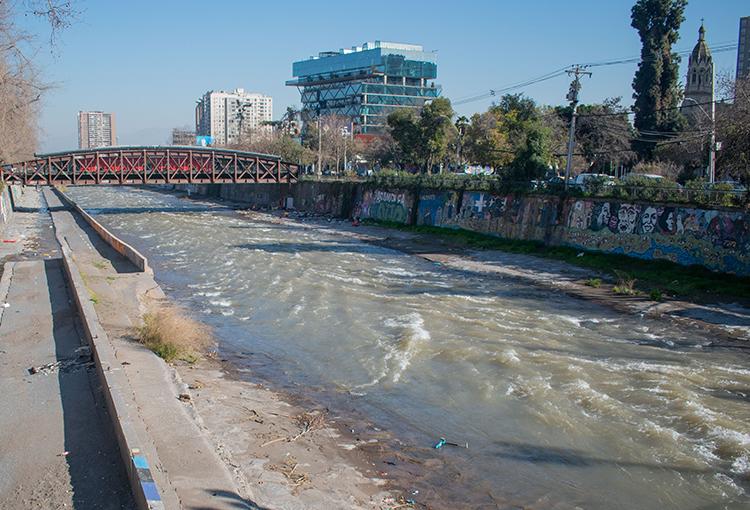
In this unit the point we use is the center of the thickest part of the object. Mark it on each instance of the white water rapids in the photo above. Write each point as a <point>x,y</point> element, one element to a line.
<point>563,404</point>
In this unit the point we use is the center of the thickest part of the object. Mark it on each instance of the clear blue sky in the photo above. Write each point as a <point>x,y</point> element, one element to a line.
<point>149,61</point>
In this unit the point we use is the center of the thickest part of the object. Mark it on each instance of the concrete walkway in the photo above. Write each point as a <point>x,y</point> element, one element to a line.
<point>57,446</point>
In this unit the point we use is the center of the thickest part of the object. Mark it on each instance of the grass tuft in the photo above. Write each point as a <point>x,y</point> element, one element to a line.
<point>172,334</point>
<point>596,283</point>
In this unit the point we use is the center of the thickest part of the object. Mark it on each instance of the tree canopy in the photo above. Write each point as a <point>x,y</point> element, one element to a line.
<point>657,94</point>
<point>422,136</point>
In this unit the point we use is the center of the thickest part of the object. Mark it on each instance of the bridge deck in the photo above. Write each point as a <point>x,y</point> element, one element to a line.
<point>151,165</point>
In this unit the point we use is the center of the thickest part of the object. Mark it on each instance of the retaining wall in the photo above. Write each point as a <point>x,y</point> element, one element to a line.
<point>718,238</point>
<point>125,249</point>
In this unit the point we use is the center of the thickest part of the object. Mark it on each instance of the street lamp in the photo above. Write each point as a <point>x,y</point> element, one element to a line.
<point>712,149</point>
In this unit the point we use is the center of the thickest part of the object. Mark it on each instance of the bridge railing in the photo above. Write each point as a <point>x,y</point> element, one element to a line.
<point>151,165</point>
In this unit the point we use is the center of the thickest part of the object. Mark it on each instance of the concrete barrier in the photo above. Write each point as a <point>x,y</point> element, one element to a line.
<point>142,483</point>
<point>145,491</point>
<point>125,249</point>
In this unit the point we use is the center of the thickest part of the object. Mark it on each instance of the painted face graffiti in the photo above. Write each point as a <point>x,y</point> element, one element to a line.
<point>649,219</point>
<point>603,218</point>
<point>627,216</point>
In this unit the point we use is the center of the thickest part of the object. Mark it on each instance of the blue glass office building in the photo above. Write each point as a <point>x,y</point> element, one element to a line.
<point>366,83</point>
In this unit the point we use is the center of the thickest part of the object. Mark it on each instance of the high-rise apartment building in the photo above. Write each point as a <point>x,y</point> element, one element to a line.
<point>743,48</point>
<point>96,129</point>
<point>366,83</point>
<point>226,116</point>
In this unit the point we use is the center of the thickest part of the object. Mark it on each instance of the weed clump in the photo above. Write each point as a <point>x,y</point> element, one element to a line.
<point>596,283</point>
<point>655,295</point>
<point>172,334</point>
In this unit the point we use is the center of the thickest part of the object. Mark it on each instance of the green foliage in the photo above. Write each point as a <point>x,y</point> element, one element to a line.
<point>532,157</point>
<point>701,192</point>
<point>657,93</point>
<point>639,187</point>
<point>450,181</point>
<point>422,139</point>
<point>596,283</point>
<point>655,295</point>
<point>486,142</point>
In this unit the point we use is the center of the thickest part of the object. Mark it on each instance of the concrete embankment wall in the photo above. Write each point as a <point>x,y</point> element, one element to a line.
<point>144,489</point>
<point>6,204</point>
<point>717,238</point>
<point>142,484</point>
<point>125,249</point>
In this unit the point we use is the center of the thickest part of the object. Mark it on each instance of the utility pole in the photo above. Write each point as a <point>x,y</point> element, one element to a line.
<point>573,98</point>
<point>319,171</point>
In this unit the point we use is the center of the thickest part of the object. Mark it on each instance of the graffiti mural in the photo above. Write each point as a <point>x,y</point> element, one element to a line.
<point>435,208</point>
<point>719,240</point>
<point>505,216</point>
<point>383,205</point>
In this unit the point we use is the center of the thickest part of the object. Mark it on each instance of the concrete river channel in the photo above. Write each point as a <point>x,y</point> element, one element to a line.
<point>563,404</point>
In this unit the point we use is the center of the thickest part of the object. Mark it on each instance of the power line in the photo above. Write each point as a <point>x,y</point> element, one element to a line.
<point>721,48</point>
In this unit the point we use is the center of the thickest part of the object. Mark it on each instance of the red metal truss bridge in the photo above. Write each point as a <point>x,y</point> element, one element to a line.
<point>151,165</point>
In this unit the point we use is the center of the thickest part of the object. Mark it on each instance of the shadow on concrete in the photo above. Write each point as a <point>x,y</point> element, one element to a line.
<point>95,467</point>
<point>120,263</point>
<point>234,500</point>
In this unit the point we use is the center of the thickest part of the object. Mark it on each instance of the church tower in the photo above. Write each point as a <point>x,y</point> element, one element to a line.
<point>699,87</point>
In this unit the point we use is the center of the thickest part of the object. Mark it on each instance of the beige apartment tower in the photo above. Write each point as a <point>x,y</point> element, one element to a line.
<point>96,129</point>
<point>228,117</point>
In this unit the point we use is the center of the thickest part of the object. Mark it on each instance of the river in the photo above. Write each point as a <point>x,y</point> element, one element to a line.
<point>563,404</point>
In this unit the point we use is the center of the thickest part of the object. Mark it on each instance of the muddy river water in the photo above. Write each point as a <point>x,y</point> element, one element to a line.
<point>563,404</point>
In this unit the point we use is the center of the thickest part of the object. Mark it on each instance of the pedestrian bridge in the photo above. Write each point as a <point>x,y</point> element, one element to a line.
<point>151,165</point>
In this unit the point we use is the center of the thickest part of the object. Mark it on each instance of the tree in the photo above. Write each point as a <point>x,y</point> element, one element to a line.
<point>434,122</point>
<point>486,142</point>
<point>422,138</point>
<point>404,129</point>
<point>733,130</point>
<point>532,157</point>
<point>603,134</point>
<point>240,114</point>
<point>657,94</point>
<point>21,86</point>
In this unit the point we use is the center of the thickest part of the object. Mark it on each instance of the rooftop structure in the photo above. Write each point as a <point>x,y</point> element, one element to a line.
<point>366,83</point>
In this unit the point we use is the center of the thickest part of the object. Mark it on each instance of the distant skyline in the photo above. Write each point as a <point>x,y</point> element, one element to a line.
<point>149,62</point>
